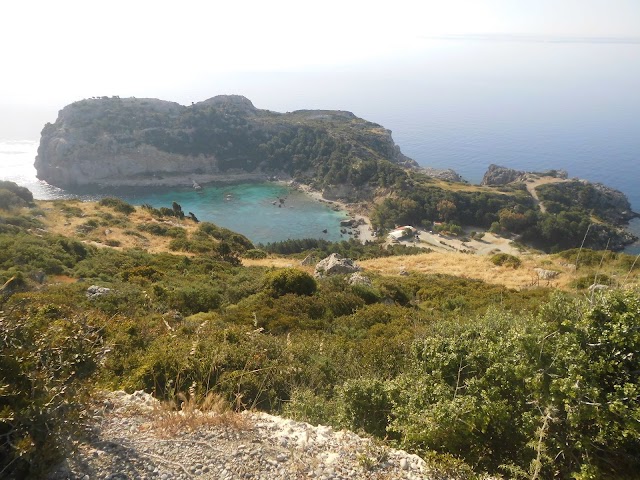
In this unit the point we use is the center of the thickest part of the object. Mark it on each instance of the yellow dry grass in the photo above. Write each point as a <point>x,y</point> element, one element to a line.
<point>58,221</point>
<point>477,267</point>
<point>187,414</point>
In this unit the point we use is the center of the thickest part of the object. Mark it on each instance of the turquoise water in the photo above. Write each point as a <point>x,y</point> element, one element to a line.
<point>251,209</point>
<point>462,104</point>
<point>247,208</point>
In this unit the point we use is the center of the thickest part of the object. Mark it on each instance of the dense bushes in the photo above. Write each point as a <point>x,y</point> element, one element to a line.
<point>504,380</point>
<point>347,248</point>
<point>12,195</point>
<point>506,260</point>
<point>290,280</point>
<point>118,205</point>
<point>46,360</point>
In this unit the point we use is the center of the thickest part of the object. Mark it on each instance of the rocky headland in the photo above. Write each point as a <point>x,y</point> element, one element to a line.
<point>143,142</point>
<point>112,142</point>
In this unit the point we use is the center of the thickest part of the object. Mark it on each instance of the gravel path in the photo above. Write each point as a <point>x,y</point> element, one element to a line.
<point>132,439</point>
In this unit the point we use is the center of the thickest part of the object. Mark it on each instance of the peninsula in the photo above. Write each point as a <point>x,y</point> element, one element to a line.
<point>114,141</point>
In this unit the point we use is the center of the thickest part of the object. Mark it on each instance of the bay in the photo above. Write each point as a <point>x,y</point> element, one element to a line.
<point>461,104</point>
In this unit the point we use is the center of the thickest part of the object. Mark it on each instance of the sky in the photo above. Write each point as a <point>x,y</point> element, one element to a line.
<point>54,53</point>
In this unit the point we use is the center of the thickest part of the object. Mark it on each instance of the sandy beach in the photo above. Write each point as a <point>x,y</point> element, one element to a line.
<point>363,223</point>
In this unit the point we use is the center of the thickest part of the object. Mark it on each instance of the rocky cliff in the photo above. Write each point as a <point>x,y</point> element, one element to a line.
<point>497,175</point>
<point>114,141</point>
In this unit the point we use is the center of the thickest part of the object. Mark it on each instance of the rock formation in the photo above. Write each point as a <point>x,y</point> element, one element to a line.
<point>335,264</point>
<point>446,174</point>
<point>138,142</point>
<point>496,175</point>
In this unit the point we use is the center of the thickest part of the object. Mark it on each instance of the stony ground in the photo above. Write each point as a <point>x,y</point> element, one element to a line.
<point>135,439</point>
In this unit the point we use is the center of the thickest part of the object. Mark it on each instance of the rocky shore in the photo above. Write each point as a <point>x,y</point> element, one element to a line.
<point>133,438</point>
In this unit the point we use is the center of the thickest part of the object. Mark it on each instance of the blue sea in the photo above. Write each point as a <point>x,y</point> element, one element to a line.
<point>463,103</point>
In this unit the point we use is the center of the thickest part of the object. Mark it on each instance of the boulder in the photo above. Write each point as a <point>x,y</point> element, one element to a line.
<point>497,175</point>
<point>308,260</point>
<point>335,264</point>
<point>546,274</point>
<point>94,291</point>
<point>358,279</point>
<point>598,287</point>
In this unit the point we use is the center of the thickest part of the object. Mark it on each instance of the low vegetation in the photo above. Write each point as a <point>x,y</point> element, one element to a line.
<point>471,375</point>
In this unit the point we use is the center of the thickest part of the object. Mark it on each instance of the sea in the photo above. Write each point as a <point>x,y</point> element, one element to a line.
<point>529,103</point>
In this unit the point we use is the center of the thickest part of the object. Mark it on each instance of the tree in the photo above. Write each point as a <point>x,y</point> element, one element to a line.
<point>446,208</point>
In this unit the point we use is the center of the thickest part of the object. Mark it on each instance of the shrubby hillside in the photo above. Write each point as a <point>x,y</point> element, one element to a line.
<point>141,142</point>
<point>472,376</point>
<point>114,141</point>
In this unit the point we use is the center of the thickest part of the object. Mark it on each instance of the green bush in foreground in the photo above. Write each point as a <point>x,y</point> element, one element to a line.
<point>46,359</point>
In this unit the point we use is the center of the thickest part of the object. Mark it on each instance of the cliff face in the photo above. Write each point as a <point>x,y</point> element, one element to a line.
<point>131,141</point>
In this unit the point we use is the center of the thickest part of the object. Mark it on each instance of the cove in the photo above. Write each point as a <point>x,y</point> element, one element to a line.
<point>252,209</point>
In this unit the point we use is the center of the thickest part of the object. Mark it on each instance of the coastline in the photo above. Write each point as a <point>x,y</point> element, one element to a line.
<point>362,226</point>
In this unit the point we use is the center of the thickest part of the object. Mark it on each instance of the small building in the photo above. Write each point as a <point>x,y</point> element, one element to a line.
<point>402,232</point>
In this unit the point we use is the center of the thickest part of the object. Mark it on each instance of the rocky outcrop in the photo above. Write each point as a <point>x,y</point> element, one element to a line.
<point>497,175</point>
<point>140,142</point>
<point>446,174</point>
<point>614,202</point>
<point>95,291</point>
<point>544,274</point>
<point>335,264</point>
<point>358,278</point>
<point>134,436</point>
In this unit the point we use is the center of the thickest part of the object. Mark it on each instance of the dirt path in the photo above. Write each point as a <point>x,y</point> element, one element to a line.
<point>533,183</point>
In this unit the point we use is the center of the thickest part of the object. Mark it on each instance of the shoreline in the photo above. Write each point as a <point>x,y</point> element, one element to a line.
<point>362,222</point>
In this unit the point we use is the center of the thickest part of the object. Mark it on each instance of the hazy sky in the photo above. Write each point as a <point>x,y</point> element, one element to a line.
<point>55,52</point>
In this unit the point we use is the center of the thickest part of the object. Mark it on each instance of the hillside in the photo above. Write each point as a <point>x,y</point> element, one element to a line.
<point>149,142</point>
<point>114,141</point>
<point>430,353</point>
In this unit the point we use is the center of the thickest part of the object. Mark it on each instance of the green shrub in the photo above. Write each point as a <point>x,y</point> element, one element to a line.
<point>290,280</point>
<point>46,361</point>
<point>365,406</point>
<point>306,406</point>
<point>506,260</point>
<point>153,229</point>
<point>118,205</point>
<point>255,254</point>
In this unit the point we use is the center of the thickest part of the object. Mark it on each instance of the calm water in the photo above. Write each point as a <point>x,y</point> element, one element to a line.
<point>248,209</point>
<point>253,210</point>
<point>461,104</point>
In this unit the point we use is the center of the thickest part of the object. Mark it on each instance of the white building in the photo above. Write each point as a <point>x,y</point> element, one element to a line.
<point>402,232</point>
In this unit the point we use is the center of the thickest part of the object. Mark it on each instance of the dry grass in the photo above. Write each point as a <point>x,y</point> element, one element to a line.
<point>277,262</point>
<point>189,414</point>
<point>477,267</point>
<point>60,222</point>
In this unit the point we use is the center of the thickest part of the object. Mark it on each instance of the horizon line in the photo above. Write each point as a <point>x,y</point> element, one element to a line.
<point>535,38</point>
